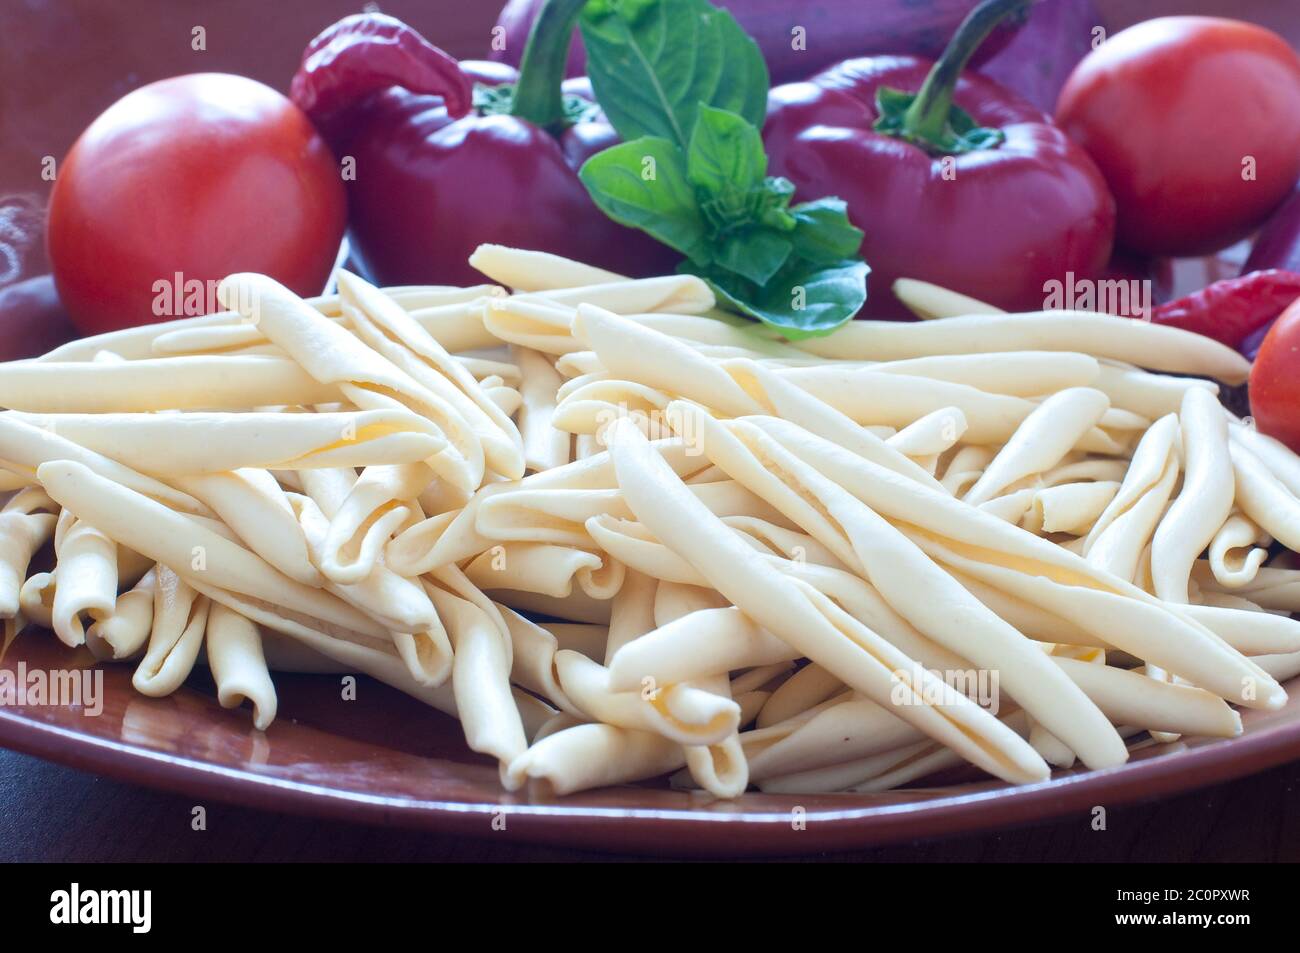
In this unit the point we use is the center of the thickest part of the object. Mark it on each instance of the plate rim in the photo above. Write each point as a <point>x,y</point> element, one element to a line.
<point>668,832</point>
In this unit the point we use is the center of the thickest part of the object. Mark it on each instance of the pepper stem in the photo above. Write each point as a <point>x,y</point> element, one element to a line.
<point>537,96</point>
<point>927,117</point>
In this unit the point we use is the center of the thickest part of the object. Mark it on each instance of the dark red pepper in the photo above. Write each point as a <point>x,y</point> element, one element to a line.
<point>1278,244</point>
<point>830,30</point>
<point>963,184</point>
<point>32,319</point>
<point>369,53</point>
<point>1232,310</point>
<point>435,175</point>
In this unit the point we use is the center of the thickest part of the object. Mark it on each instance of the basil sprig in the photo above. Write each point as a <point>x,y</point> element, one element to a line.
<point>687,89</point>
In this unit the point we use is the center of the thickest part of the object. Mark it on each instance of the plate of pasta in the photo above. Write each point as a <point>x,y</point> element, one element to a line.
<point>582,558</point>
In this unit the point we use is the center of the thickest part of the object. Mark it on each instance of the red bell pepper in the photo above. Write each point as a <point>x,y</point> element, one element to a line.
<point>439,168</point>
<point>953,179</point>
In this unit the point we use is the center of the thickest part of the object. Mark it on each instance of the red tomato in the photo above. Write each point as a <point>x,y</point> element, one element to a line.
<point>1195,124</point>
<point>181,183</point>
<point>1275,380</point>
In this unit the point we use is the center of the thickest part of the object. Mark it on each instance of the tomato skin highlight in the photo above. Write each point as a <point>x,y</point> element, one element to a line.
<point>199,176</point>
<point>1170,110</point>
<point>1275,380</point>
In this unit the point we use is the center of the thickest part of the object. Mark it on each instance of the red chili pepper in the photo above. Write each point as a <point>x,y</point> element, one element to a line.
<point>1233,309</point>
<point>437,174</point>
<point>962,184</point>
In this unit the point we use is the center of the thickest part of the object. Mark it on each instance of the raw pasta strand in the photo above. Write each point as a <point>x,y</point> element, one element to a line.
<point>238,665</point>
<point>789,565</point>
<point>797,613</point>
<point>1204,502</point>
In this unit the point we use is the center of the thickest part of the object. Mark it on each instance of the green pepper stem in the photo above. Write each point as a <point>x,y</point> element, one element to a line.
<point>927,117</point>
<point>538,98</point>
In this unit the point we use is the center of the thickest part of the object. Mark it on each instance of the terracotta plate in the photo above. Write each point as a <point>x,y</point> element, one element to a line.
<point>386,759</point>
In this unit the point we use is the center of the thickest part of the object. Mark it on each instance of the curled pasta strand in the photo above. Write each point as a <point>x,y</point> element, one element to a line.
<point>390,331</point>
<point>180,616</point>
<point>592,755</point>
<point>928,301</point>
<point>1149,345</point>
<point>526,270</point>
<point>366,518</point>
<point>123,633</point>
<point>1232,567</point>
<point>932,435</point>
<point>1046,435</point>
<point>1264,498</point>
<point>546,569</point>
<point>480,682</point>
<point>679,711</point>
<point>545,446</point>
<point>36,599</point>
<point>805,689</point>
<point>1203,503</point>
<point>733,530</point>
<point>670,294</point>
<point>27,522</point>
<point>793,611</point>
<point>368,379</point>
<point>87,585</point>
<point>238,664</point>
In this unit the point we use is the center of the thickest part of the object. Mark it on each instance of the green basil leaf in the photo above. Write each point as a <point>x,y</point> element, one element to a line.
<point>643,184</point>
<point>777,192</point>
<point>653,62</point>
<point>755,253</point>
<point>687,88</point>
<point>778,219</point>
<point>823,233</point>
<point>725,153</point>
<point>773,202</point>
<point>727,212</point>
<point>801,301</point>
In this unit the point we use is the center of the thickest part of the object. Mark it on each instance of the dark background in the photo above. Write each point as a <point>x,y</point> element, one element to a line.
<point>64,61</point>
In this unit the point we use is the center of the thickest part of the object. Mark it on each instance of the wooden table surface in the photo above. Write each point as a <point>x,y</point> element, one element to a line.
<point>52,813</point>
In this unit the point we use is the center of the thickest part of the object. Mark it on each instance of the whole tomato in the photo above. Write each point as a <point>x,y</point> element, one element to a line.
<point>1195,124</point>
<point>185,181</point>
<point>1275,380</point>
